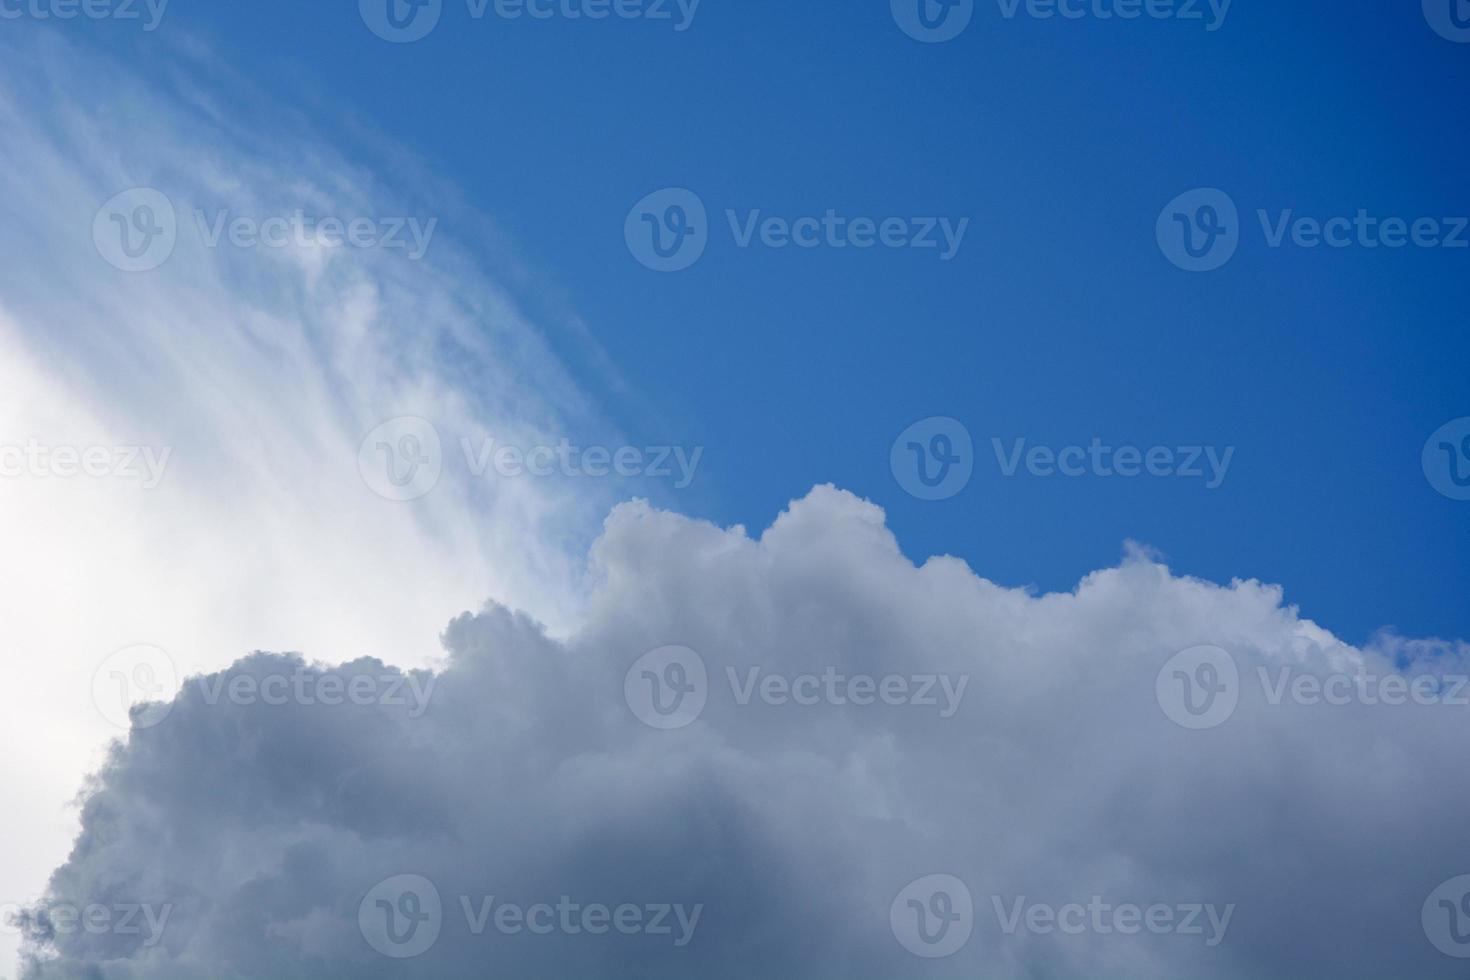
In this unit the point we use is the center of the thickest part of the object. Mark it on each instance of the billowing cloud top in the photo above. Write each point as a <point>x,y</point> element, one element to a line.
<point>798,756</point>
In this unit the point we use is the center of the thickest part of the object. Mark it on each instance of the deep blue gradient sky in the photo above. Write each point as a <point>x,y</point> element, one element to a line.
<point>1058,321</point>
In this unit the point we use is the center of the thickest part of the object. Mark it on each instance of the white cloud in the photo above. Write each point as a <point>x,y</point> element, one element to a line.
<point>248,833</point>
<point>1311,833</point>
<point>258,371</point>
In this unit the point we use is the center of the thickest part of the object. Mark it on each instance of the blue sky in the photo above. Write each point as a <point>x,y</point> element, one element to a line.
<point>1057,321</point>
<point>1040,251</point>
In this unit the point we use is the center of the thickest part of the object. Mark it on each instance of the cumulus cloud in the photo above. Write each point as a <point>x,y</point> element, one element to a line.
<point>792,827</point>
